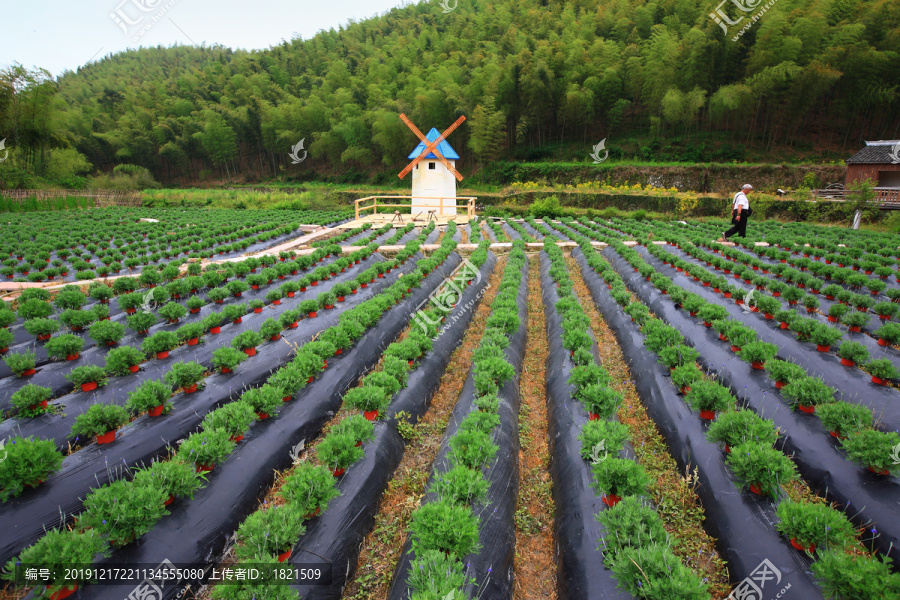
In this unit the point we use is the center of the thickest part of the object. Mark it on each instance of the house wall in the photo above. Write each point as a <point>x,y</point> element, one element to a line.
<point>433,183</point>
<point>859,172</point>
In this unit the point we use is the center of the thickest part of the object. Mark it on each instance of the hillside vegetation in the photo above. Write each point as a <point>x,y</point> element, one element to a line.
<point>537,80</point>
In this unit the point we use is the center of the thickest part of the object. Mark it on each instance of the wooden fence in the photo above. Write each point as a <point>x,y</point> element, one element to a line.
<point>886,198</point>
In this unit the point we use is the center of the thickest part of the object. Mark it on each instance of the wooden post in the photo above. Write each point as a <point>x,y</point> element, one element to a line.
<point>356,202</point>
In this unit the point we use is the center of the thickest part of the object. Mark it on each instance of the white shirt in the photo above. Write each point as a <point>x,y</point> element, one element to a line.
<point>740,201</point>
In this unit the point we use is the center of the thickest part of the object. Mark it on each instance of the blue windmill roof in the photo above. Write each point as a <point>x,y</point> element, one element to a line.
<point>444,148</point>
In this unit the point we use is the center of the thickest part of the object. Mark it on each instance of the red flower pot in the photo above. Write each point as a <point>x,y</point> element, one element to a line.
<point>784,326</point>
<point>193,341</point>
<point>610,499</point>
<point>250,351</point>
<point>162,355</point>
<point>292,325</point>
<point>215,330</point>
<point>310,380</point>
<point>237,438</point>
<point>756,489</point>
<point>339,351</point>
<point>194,311</point>
<point>238,320</point>
<point>312,315</point>
<point>190,389</point>
<point>880,472</point>
<point>364,285</point>
<point>884,317</point>
<point>238,295</point>
<point>847,362</point>
<point>340,298</point>
<point>262,416</point>
<point>257,310</point>
<point>44,337</point>
<point>735,349</point>
<point>807,409</point>
<point>314,283</point>
<point>832,319</point>
<point>854,329</point>
<point>107,438</point>
<point>89,386</point>
<point>709,415</point>
<point>73,356</point>
<point>593,416</point>
<point>780,384</point>
<point>685,389</point>
<point>201,468</point>
<point>339,472</point>
<point>284,555</point>
<point>370,415</point>
<point>156,410</point>
<point>878,380</point>
<point>64,592</point>
<point>169,500</point>
<point>882,342</point>
<point>810,309</point>
<point>287,398</point>
<point>823,347</point>
<point>758,365</point>
<point>329,306</point>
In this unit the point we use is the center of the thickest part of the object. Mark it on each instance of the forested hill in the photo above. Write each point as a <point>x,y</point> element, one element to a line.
<point>530,76</point>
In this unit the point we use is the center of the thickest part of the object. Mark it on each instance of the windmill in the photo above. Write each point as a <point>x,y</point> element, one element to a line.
<point>434,170</point>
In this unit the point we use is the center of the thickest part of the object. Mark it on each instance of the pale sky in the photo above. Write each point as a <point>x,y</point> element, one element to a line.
<point>64,35</point>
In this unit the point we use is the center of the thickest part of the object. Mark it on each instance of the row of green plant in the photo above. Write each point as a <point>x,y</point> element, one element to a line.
<point>643,565</point>
<point>444,531</point>
<point>312,484</point>
<point>221,430</point>
<point>749,441</point>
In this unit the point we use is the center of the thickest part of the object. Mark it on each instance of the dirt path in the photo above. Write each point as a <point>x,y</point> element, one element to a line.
<point>381,548</point>
<point>534,566</point>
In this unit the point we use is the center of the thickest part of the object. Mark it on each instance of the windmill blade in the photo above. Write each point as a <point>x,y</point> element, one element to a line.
<point>431,147</point>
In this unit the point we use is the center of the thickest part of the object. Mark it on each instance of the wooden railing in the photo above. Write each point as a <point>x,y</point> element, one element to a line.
<point>886,197</point>
<point>467,202</point>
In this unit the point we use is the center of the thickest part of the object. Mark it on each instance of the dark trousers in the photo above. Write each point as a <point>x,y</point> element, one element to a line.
<point>738,227</point>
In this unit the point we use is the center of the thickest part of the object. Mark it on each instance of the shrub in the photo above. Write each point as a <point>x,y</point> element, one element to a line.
<point>712,312</point>
<point>358,426</point>
<point>63,346</point>
<point>676,356</point>
<point>655,572</point>
<point>21,362</point>
<point>234,417</point>
<point>631,523</point>
<point>236,287</point>
<point>149,394</point>
<point>762,466</point>
<point>70,298</point>
<point>472,448</point>
<point>845,576</point>
<point>206,447</point>
<point>339,451</point>
<point>873,449</point>
<point>491,374</point>
<point>638,312</point>
<point>758,352</point>
<point>890,332</point>
<point>34,309</point>
<point>808,391</point>
<point>582,376</point>
<point>845,418</point>
<point>741,335</point>
<point>599,399</point>
<point>174,477</point>
<point>855,319</point>
<point>27,399</point>
<point>228,358</point>
<point>661,337</point>
<point>685,375</point>
<point>257,305</point>
<point>739,426</point>
<point>38,327</point>
<point>184,374</point>
<point>882,368</point>
<point>320,348</point>
<point>59,547</point>
<point>100,419</point>
<point>710,395</point>
<point>309,488</point>
<point>887,309</point>
<point>854,351</point>
<point>264,400</point>
<point>784,371</point>
<point>433,574</point>
<point>270,531</point>
<point>87,374</point>
<point>120,360</point>
<point>161,341</point>
<point>28,462</point>
<point>824,335</point>
<point>269,328</point>
<point>611,434</point>
<point>308,363</point>
<point>768,304</point>
<point>172,311</point>
<point>818,524</point>
<point>141,321</point>
<point>246,340</point>
<point>446,527</point>
<point>122,511</point>
<point>620,477</point>
<point>106,332</point>
<point>216,294</point>
<point>460,485</point>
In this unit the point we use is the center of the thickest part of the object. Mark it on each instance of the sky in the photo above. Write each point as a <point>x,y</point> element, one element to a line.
<point>60,35</point>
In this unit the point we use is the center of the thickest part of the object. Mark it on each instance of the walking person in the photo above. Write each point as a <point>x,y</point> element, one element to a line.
<point>740,212</point>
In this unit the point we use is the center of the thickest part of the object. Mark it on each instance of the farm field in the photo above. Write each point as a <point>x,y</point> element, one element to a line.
<point>499,409</point>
